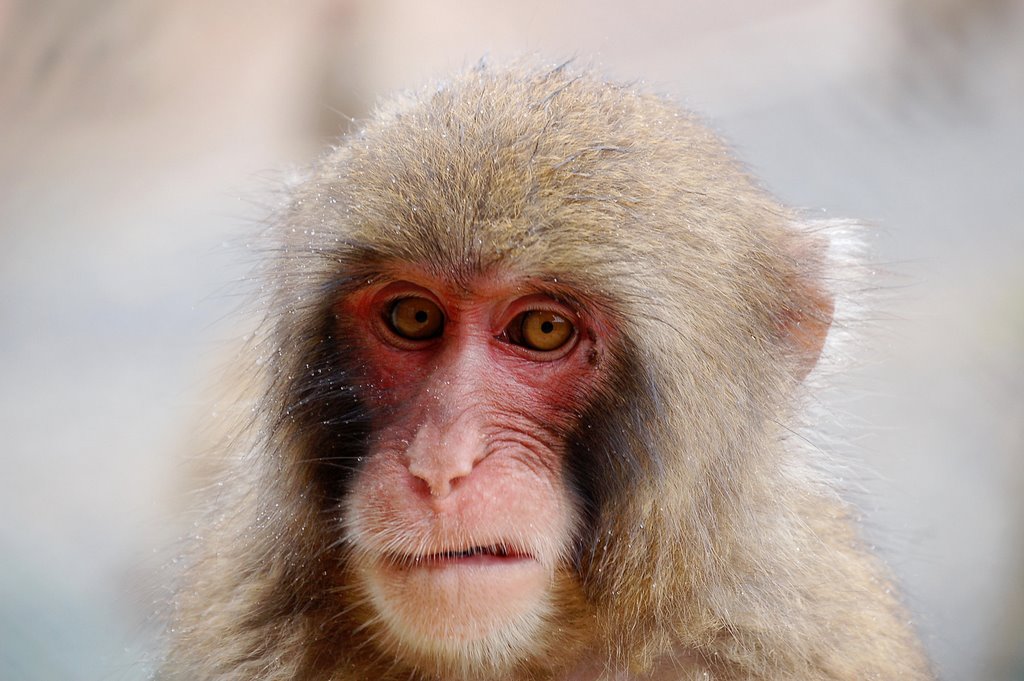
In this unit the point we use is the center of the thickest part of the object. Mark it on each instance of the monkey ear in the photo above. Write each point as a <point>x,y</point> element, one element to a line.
<point>806,327</point>
<point>807,316</point>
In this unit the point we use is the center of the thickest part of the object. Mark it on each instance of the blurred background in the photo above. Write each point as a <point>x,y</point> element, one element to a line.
<point>141,140</point>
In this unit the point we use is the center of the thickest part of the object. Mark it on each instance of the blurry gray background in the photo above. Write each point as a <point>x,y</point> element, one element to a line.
<point>141,140</point>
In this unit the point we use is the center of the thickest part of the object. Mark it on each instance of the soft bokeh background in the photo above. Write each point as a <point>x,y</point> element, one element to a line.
<point>141,140</point>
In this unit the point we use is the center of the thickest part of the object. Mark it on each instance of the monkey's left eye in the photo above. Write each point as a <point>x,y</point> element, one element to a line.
<point>540,330</point>
<point>415,318</point>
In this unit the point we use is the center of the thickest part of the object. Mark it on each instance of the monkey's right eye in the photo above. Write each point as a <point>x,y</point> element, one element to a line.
<point>415,318</point>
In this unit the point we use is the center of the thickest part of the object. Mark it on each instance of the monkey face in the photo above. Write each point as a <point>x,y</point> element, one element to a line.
<point>460,520</point>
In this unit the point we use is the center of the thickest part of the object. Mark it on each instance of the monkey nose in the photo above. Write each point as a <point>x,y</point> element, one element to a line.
<point>439,479</point>
<point>441,457</point>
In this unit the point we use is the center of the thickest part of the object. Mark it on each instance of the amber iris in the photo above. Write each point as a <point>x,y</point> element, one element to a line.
<point>541,330</point>
<point>416,318</point>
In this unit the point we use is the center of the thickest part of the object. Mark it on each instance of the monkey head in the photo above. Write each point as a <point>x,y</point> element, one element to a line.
<point>537,336</point>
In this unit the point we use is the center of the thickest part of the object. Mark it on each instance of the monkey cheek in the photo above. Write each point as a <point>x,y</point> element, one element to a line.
<point>463,608</point>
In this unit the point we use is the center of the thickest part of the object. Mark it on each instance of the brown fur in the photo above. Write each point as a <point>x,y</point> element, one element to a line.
<point>709,549</point>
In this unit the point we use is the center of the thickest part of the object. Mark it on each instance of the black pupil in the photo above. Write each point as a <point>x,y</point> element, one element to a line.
<point>421,316</point>
<point>547,327</point>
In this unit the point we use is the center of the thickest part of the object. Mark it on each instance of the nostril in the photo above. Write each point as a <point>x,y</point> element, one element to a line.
<point>420,484</point>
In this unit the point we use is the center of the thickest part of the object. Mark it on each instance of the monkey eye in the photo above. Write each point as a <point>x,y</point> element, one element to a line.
<point>540,330</point>
<point>415,318</point>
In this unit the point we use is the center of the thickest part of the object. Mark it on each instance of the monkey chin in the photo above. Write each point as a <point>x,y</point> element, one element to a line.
<point>471,615</point>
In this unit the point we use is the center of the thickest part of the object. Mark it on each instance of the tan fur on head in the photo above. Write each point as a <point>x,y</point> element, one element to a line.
<point>683,547</point>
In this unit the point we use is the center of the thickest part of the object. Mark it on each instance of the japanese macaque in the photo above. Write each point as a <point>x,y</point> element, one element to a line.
<point>532,369</point>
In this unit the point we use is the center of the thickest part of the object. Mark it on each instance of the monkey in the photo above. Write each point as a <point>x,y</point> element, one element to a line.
<point>525,405</point>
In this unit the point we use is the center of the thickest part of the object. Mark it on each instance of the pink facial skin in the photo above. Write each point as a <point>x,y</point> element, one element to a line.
<point>460,517</point>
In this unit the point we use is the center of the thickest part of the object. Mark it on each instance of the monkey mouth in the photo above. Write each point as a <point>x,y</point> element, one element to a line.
<point>497,551</point>
<point>474,555</point>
